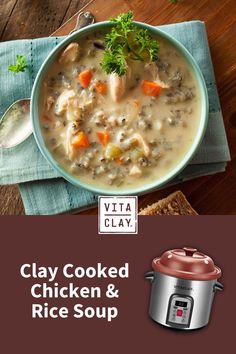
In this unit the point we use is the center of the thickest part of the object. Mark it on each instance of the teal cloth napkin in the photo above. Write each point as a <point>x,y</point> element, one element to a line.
<point>41,189</point>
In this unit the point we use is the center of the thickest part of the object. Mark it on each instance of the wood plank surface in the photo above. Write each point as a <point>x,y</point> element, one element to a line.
<point>209,195</point>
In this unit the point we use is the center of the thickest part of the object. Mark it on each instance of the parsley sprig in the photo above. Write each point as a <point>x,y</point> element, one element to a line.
<point>124,41</point>
<point>19,66</point>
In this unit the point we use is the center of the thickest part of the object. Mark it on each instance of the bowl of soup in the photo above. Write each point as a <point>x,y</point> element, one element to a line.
<point>112,134</point>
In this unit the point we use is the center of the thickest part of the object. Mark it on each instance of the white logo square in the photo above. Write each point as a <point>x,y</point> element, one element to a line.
<point>118,215</point>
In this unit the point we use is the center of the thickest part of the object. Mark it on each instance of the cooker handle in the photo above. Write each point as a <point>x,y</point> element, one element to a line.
<point>149,275</point>
<point>219,286</point>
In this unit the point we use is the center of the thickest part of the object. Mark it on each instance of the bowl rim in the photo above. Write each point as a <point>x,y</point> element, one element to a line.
<point>147,187</point>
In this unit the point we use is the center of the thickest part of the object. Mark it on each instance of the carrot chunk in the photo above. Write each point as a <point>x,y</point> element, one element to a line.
<point>80,140</point>
<point>119,160</point>
<point>85,78</point>
<point>101,87</point>
<point>150,88</point>
<point>103,137</point>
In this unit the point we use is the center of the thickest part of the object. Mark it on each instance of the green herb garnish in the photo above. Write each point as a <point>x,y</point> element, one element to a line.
<point>19,66</point>
<point>173,1</point>
<point>114,61</point>
<point>124,41</point>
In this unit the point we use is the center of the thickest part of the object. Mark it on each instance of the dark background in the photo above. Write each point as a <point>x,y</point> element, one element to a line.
<point>55,241</point>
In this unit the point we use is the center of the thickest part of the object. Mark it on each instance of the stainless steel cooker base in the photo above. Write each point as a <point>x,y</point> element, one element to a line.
<point>178,329</point>
<point>192,298</point>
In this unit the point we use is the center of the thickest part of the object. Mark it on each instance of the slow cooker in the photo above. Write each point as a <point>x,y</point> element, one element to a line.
<point>184,282</point>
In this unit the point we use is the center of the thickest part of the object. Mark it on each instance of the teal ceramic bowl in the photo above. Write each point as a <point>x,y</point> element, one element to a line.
<point>147,187</point>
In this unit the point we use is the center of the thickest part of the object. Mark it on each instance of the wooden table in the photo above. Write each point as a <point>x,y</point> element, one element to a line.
<point>30,19</point>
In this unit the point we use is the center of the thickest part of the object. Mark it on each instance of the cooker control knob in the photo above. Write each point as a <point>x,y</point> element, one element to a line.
<point>189,251</point>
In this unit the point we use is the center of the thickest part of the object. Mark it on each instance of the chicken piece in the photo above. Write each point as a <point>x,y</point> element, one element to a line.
<point>74,111</point>
<point>141,142</point>
<point>99,118</point>
<point>70,54</point>
<point>111,121</point>
<point>63,101</point>
<point>135,171</point>
<point>118,84</point>
<point>71,152</point>
<point>68,103</point>
<point>49,103</point>
<point>132,110</point>
<point>87,101</point>
<point>153,70</point>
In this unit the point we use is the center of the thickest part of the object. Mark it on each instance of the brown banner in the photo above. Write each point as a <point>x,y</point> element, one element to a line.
<point>56,241</point>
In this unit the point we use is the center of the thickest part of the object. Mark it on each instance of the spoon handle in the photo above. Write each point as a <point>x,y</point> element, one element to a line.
<point>84,19</point>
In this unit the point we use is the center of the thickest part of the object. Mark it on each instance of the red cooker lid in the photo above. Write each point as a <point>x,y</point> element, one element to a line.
<point>187,263</point>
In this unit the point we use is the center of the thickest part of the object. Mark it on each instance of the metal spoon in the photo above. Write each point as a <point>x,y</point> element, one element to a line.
<point>15,124</point>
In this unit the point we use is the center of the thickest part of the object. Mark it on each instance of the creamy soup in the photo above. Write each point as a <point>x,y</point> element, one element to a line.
<point>118,131</point>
